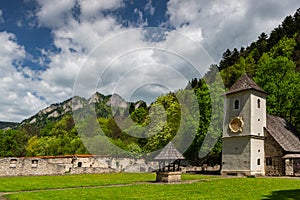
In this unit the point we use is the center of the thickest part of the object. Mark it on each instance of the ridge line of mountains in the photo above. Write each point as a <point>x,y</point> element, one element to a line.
<point>56,110</point>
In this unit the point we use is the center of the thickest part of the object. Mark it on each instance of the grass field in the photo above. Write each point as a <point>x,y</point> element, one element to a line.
<point>141,186</point>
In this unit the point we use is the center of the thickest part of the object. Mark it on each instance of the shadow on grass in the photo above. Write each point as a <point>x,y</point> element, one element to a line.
<point>284,195</point>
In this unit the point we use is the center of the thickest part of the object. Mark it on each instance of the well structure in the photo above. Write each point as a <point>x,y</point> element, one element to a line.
<point>169,164</point>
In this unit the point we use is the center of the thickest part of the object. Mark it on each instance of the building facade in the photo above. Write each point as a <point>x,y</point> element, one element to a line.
<point>282,146</point>
<point>255,143</point>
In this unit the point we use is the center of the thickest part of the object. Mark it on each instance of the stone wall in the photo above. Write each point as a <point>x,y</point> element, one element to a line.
<point>289,171</point>
<point>292,166</point>
<point>49,165</point>
<point>275,165</point>
<point>296,167</point>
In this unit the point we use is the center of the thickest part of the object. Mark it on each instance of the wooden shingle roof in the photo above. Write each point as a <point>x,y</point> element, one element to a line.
<point>244,83</point>
<point>283,133</point>
<point>169,152</point>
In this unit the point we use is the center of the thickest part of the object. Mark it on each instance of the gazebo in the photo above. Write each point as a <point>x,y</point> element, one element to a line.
<point>169,164</point>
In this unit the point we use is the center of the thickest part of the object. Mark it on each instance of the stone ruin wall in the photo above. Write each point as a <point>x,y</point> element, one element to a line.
<point>72,165</point>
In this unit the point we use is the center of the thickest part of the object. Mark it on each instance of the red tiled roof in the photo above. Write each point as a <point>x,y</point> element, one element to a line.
<point>65,156</point>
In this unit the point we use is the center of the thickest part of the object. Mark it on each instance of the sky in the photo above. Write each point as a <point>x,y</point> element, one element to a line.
<point>53,50</point>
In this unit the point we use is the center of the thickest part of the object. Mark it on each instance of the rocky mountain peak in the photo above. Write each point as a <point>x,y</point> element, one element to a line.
<point>117,101</point>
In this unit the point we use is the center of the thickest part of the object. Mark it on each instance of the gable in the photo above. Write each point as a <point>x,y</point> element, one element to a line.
<point>283,133</point>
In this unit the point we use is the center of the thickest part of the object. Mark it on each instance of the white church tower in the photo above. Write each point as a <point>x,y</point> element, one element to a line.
<point>243,129</point>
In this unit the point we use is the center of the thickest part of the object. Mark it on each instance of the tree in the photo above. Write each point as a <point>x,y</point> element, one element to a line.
<point>262,43</point>
<point>277,76</point>
<point>12,143</point>
<point>224,63</point>
<point>289,26</point>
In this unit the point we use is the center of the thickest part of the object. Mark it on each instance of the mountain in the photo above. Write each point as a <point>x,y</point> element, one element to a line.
<point>57,111</point>
<point>4,125</point>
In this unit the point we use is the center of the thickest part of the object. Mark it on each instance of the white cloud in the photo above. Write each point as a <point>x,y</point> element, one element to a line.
<point>229,23</point>
<point>57,13</point>
<point>140,21</point>
<point>149,8</point>
<point>54,13</point>
<point>75,39</point>
<point>126,62</point>
<point>19,23</point>
<point>17,92</point>
<point>1,16</point>
<point>91,8</point>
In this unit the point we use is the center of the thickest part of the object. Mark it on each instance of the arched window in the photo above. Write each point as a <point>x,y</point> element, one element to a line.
<point>258,103</point>
<point>236,104</point>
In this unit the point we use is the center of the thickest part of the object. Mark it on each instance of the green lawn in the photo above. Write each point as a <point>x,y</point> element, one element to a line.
<point>9,184</point>
<point>208,187</point>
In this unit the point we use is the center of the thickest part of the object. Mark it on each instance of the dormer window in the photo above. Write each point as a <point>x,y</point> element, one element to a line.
<point>258,103</point>
<point>236,105</point>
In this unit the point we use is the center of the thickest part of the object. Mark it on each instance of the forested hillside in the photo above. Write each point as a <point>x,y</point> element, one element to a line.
<point>273,61</point>
<point>4,125</point>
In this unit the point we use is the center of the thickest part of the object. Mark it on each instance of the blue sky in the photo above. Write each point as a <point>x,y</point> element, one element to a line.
<point>47,44</point>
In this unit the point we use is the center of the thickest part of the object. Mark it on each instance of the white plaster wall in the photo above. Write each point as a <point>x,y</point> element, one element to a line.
<point>236,154</point>
<point>258,115</point>
<point>257,152</point>
<point>243,111</point>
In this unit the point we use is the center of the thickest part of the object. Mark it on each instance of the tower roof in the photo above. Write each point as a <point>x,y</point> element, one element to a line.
<point>244,83</point>
<point>169,152</point>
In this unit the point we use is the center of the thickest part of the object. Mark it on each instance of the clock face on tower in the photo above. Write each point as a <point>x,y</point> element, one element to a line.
<point>236,125</point>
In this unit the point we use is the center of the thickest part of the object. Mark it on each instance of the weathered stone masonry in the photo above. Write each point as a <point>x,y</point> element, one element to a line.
<point>73,164</point>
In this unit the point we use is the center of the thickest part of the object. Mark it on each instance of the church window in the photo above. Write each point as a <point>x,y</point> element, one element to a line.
<point>236,104</point>
<point>258,161</point>
<point>258,103</point>
<point>268,161</point>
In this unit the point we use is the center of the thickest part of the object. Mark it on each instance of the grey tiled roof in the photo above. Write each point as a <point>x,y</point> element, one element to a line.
<point>244,83</point>
<point>283,133</point>
<point>169,152</point>
<point>294,155</point>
